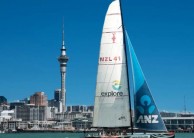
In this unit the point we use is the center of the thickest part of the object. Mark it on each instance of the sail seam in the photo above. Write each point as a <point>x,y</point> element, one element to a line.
<point>114,14</point>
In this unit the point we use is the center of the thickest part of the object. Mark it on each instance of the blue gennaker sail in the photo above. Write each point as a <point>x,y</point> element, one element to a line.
<point>147,116</point>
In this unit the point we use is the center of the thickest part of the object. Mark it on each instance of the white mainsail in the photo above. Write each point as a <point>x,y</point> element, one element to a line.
<point>111,108</point>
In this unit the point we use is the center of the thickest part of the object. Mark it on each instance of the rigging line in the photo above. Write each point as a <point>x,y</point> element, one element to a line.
<point>132,70</point>
<point>124,41</point>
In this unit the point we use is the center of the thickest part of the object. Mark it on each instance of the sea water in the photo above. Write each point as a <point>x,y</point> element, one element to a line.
<point>69,135</point>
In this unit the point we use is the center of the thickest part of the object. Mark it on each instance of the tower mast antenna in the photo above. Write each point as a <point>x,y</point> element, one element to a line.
<point>63,36</point>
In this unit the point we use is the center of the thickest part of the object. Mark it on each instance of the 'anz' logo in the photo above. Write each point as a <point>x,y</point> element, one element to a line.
<point>151,119</point>
<point>146,110</point>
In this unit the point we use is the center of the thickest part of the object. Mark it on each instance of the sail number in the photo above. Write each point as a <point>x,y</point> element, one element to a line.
<point>109,59</point>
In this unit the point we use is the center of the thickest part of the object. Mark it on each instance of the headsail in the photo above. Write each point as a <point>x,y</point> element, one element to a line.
<point>111,108</point>
<point>147,116</point>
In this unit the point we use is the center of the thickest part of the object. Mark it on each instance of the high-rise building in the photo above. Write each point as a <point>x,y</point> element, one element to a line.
<point>56,104</point>
<point>39,99</point>
<point>57,95</point>
<point>14,104</point>
<point>90,108</point>
<point>31,112</point>
<point>63,64</point>
<point>77,108</point>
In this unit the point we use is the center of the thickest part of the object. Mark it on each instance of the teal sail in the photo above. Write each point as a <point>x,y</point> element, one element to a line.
<point>147,116</point>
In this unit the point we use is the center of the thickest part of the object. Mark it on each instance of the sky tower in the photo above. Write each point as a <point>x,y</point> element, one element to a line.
<point>63,64</point>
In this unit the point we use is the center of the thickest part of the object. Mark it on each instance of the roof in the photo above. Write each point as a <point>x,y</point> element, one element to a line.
<point>7,111</point>
<point>177,118</point>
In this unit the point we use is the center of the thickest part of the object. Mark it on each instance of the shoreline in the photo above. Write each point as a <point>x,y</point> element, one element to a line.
<point>69,131</point>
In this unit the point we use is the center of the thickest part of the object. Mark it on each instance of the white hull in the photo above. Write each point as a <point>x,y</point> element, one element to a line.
<point>135,135</point>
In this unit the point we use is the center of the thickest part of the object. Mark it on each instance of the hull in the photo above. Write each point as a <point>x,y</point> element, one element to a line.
<point>136,135</point>
<point>163,135</point>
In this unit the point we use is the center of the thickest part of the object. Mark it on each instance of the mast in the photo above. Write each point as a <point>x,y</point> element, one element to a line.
<point>185,108</point>
<point>124,42</point>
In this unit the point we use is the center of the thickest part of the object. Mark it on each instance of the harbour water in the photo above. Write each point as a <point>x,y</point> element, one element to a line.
<point>68,135</point>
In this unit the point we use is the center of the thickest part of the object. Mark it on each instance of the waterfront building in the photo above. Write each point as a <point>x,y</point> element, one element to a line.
<point>168,114</point>
<point>178,121</point>
<point>56,102</point>
<point>67,116</point>
<point>52,103</point>
<point>4,107</point>
<point>22,112</point>
<point>38,113</point>
<point>13,125</point>
<point>77,112</point>
<point>82,123</point>
<point>3,100</point>
<point>51,111</point>
<point>63,59</point>
<point>39,99</point>
<point>6,115</point>
<point>77,108</point>
<point>30,112</point>
<point>90,108</point>
<point>78,120</point>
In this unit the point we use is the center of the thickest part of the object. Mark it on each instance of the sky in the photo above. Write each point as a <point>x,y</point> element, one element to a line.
<point>161,31</point>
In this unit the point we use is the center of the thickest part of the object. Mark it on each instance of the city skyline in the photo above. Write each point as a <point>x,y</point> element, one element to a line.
<point>31,37</point>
